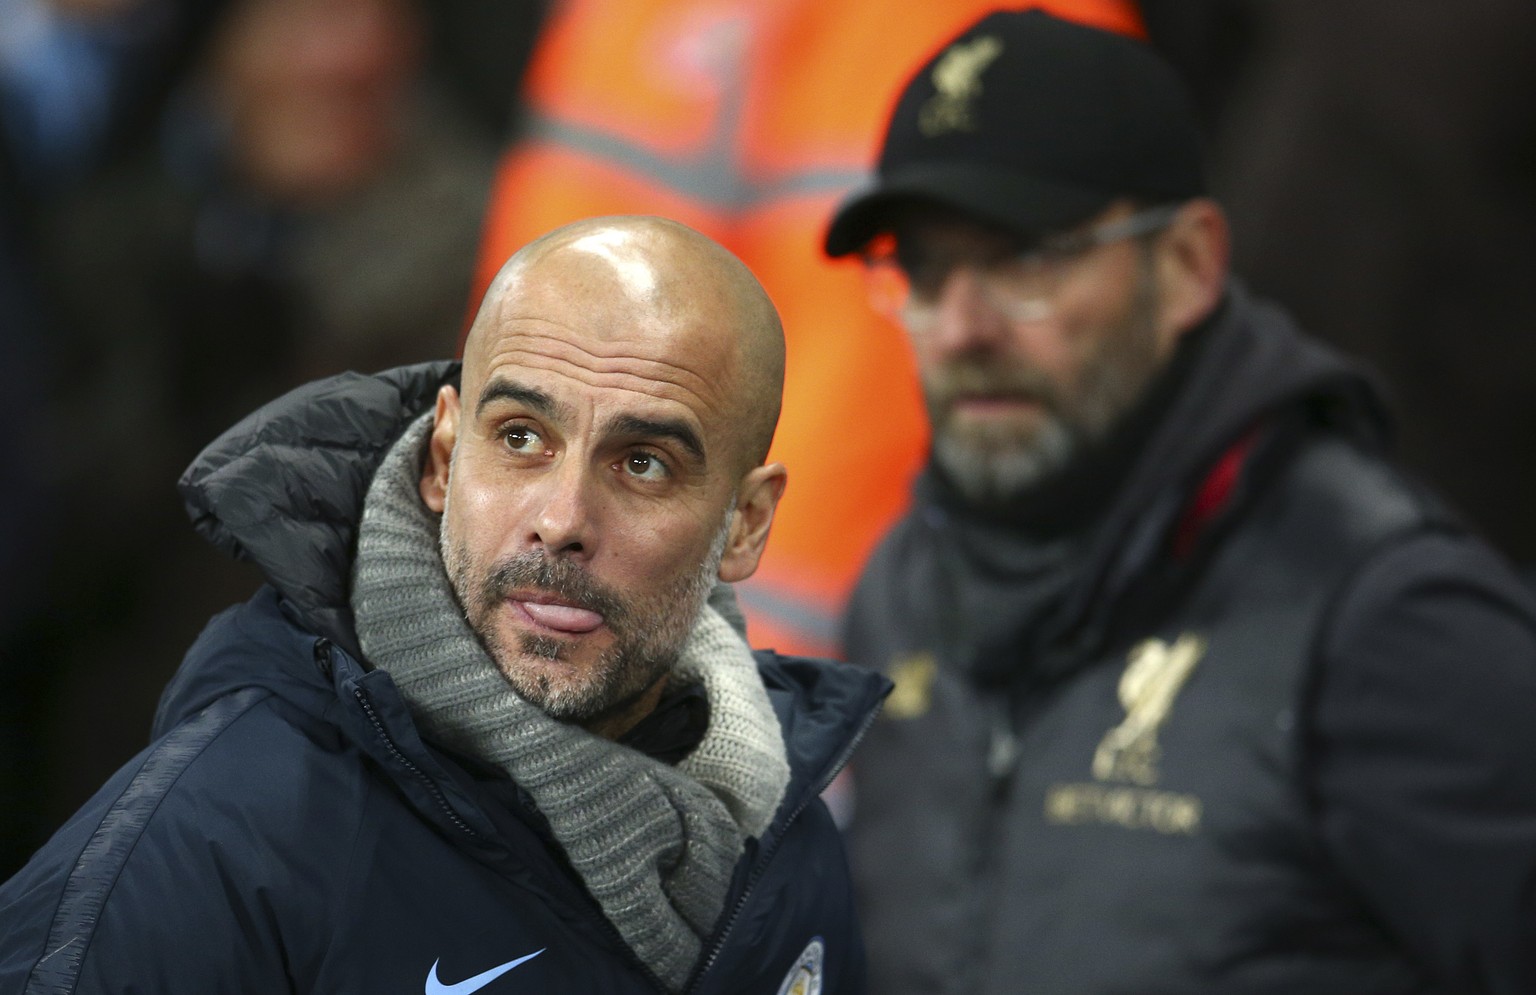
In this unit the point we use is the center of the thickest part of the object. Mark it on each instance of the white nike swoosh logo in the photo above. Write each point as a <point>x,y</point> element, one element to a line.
<point>479,981</point>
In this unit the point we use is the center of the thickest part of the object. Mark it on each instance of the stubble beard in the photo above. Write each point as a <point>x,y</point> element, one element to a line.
<point>991,464</point>
<point>649,630</point>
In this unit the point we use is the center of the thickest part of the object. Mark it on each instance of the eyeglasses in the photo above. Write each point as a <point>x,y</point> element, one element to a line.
<point>906,277</point>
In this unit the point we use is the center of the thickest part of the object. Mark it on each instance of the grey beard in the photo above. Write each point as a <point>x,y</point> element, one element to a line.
<point>993,468</point>
<point>649,630</point>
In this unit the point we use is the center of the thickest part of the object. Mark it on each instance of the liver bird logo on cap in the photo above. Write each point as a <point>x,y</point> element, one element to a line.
<point>957,80</point>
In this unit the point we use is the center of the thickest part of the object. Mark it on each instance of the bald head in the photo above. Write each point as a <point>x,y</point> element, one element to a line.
<point>653,285</point>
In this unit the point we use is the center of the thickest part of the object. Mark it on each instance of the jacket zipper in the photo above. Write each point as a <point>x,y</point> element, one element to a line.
<point>323,651</point>
<point>767,855</point>
<point>1002,757</point>
<point>417,772</point>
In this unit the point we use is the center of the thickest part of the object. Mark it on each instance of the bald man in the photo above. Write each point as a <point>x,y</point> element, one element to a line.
<point>492,724</point>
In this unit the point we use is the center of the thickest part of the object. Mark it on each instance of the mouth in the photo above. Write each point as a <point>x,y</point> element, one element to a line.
<point>552,615</point>
<point>994,405</point>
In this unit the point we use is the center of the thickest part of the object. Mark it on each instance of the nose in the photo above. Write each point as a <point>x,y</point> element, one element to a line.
<point>965,320</point>
<point>562,516</point>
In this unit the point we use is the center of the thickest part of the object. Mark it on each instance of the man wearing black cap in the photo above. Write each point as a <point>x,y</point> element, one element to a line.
<point>1196,691</point>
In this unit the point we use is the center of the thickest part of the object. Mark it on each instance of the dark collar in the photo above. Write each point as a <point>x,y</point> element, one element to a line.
<point>675,726</point>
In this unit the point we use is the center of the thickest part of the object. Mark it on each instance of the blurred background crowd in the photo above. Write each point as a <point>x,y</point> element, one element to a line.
<point>204,203</point>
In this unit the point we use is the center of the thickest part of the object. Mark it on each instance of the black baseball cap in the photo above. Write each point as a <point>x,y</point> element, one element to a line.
<point>1034,124</point>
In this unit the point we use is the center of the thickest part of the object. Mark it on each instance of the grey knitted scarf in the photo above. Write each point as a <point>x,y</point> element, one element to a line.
<point>655,845</point>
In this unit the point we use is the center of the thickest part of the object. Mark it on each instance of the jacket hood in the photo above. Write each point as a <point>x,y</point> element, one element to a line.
<point>1257,363</point>
<point>284,487</point>
<point>1253,366</point>
<point>1255,371</point>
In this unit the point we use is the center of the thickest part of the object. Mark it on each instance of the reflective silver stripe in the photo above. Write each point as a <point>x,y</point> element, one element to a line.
<point>712,177</point>
<point>792,610</point>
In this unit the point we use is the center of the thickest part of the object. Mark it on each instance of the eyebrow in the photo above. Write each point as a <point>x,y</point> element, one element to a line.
<point>506,390</point>
<point>677,431</point>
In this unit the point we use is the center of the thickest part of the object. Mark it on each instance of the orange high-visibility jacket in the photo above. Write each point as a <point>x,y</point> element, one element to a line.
<point>750,120</point>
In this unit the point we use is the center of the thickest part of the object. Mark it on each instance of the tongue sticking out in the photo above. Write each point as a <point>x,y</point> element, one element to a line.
<point>562,618</point>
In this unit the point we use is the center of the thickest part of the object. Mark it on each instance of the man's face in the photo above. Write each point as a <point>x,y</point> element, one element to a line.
<point>1016,385</point>
<point>591,489</point>
<point>558,600</point>
<point>316,90</point>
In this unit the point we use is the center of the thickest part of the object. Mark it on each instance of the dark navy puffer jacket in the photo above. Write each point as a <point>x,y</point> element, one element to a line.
<point>289,830</point>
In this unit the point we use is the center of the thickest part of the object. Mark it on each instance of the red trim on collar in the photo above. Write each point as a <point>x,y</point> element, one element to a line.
<point>1213,495</point>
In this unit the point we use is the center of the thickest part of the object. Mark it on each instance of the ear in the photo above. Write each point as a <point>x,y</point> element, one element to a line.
<point>756,500</point>
<point>1192,259</point>
<point>445,432</point>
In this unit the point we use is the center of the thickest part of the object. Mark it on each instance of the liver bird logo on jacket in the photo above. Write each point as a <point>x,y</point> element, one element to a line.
<point>1152,680</point>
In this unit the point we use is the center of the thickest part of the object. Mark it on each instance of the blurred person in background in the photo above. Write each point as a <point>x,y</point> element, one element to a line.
<point>1196,689</point>
<point>278,220</point>
<point>750,121</point>
<point>306,200</point>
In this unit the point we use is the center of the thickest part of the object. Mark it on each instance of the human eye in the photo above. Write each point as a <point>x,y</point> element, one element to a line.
<point>925,270</point>
<point>522,439</point>
<point>644,465</point>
